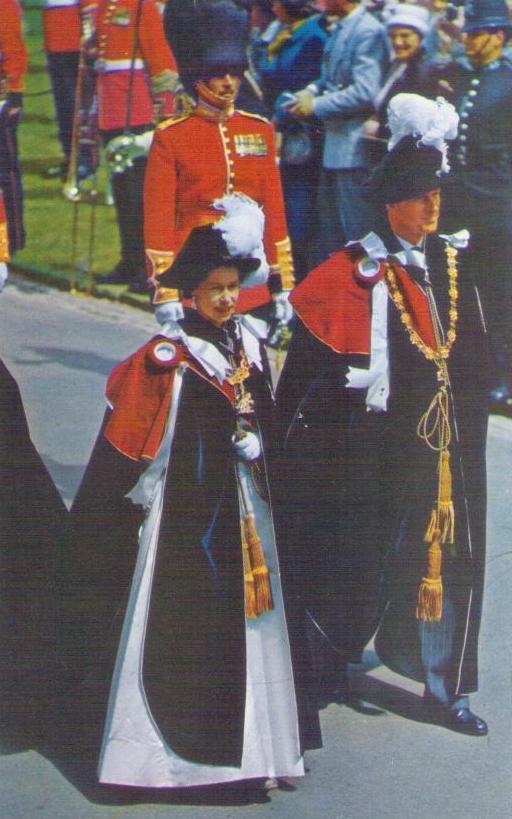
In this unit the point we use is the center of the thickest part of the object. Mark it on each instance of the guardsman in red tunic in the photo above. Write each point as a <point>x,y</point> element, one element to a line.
<point>13,67</point>
<point>214,151</point>
<point>136,81</point>
<point>65,24</point>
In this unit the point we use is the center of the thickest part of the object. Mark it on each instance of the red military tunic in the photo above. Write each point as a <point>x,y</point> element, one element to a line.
<point>155,74</point>
<point>194,160</point>
<point>63,23</point>
<point>13,51</point>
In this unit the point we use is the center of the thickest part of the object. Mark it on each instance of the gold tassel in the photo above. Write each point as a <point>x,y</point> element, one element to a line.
<point>249,584</point>
<point>429,605</point>
<point>259,569</point>
<point>446,514</point>
<point>432,527</point>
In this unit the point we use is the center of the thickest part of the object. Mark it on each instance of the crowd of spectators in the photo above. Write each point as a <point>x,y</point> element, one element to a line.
<point>323,72</point>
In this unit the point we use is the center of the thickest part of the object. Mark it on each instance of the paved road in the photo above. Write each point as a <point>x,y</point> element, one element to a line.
<point>381,765</point>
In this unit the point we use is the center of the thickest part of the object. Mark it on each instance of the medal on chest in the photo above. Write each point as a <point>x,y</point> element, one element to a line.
<point>250,145</point>
<point>121,17</point>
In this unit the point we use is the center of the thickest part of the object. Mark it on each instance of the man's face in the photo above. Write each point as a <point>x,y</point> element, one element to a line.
<point>226,86</point>
<point>405,41</point>
<point>413,219</point>
<point>217,295</point>
<point>484,45</point>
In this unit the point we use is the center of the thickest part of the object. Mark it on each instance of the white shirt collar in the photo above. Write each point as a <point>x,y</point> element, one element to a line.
<point>252,330</point>
<point>411,254</point>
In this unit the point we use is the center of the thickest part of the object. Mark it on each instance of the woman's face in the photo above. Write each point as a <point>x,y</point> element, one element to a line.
<point>405,41</point>
<point>217,295</point>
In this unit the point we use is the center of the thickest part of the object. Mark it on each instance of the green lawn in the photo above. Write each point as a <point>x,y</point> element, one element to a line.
<point>48,214</point>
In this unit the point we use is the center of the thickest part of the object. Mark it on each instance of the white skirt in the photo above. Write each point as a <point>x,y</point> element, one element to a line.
<point>133,750</point>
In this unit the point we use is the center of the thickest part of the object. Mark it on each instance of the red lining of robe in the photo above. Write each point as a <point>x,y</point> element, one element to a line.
<point>140,398</point>
<point>335,305</point>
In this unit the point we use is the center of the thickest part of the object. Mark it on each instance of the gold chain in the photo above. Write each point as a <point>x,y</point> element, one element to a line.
<point>244,402</point>
<point>443,350</point>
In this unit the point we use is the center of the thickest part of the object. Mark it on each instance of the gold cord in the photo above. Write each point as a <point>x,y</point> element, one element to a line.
<point>434,429</point>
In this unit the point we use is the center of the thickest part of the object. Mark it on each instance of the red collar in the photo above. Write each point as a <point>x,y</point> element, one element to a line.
<point>139,390</point>
<point>334,303</point>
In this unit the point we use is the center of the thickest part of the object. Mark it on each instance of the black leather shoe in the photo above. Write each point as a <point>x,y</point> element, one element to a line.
<point>461,720</point>
<point>465,722</point>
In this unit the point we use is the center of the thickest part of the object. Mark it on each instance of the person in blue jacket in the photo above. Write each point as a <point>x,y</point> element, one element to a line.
<point>291,61</point>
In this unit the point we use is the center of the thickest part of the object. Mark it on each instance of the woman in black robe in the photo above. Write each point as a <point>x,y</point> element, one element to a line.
<point>202,689</point>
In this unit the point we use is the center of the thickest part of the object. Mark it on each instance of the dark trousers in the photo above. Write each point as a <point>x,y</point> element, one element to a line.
<point>63,71</point>
<point>127,190</point>
<point>10,180</point>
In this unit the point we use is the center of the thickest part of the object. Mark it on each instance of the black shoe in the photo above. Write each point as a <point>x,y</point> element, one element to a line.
<point>461,720</point>
<point>119,275</point>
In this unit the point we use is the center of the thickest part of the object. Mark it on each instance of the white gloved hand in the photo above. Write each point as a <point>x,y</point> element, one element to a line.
<point>247,448</point>
<point>170,312</point>
<point>4,273</point>
<point>283,311</point>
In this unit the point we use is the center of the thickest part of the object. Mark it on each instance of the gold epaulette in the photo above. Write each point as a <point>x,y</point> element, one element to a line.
<point>254,116</point>
<point>166,123</point>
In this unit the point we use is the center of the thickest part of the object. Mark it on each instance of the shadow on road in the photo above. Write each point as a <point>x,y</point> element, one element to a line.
<point>71,359</point>
<point>386,697</point>
<point>69,737</point>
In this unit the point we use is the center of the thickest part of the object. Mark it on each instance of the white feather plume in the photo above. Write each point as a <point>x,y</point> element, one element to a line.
<point>242,230</point>
<point>433,121</point>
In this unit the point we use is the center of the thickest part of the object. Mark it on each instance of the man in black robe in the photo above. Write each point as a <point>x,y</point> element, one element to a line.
<point>386,339</point>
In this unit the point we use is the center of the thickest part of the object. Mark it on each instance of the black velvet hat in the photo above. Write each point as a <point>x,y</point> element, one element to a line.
<point>417,157</point>
<point>409,170</point>
<point>204,250</point>
<point>486,14</point>
<point>209,38</point>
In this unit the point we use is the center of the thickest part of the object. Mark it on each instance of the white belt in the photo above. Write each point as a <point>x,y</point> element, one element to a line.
<point>105,66</point>
<point>55,4</point>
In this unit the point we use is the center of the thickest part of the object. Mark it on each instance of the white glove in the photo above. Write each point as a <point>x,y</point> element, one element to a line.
<point>247,448</point>
<point>170,312</point>
<point>3,275</point>
<point>283,311</point>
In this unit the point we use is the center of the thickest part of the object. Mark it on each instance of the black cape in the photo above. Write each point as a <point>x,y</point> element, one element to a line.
<point>194,671</point>
<point>30,524</point>
<point>360,487</point>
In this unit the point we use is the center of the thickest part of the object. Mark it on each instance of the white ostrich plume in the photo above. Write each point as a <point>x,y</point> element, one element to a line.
<point>242,230</point>
<point>433,121</point>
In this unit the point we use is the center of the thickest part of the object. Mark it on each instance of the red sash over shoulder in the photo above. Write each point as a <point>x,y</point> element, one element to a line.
<point>139,391</point>
<point>335,304</point>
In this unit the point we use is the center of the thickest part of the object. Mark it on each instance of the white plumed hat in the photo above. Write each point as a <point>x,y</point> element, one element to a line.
<point>242,230</point>
<point>418,148</point>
